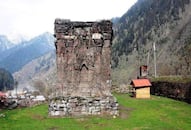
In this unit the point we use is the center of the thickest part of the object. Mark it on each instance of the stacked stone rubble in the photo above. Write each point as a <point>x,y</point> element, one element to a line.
<point>83,52</point>
<point>74,106</point>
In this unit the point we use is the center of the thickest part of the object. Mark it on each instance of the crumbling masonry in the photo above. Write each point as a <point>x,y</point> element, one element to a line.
<point>83,52</point>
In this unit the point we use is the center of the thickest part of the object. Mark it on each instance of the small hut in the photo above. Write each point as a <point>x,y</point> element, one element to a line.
<point>141,87</point>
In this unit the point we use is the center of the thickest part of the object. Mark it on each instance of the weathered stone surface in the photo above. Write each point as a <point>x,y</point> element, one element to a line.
<point>83,106</point>
<point>84,68</point>
<point>83,57</point>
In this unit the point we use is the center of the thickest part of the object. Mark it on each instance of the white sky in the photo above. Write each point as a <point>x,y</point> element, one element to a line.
<point>33,17</point>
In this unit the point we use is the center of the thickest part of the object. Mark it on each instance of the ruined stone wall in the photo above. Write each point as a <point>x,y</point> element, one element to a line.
<point>83,57</point>
<point>83,52</point>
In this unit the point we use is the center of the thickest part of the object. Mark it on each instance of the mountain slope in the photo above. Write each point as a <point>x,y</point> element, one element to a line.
<point>41,69</point>
<point>166,23</point>
<point>37,67</point>
<point>20,55</point>
<point>5,44</point>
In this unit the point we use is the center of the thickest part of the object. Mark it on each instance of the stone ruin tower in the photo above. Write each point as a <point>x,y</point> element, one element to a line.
<point>83,51</point>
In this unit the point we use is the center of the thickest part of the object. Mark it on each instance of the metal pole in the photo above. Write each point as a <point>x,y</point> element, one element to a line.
<point>155,71</point>
<point>138,61</point>
<point>148,58</point>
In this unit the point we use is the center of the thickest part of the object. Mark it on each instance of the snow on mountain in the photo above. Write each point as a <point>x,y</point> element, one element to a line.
<point>16,57</point>
<point>5,43</point>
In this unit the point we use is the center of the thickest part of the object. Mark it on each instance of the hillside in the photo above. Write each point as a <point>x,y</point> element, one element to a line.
<point>166,23</point>
<point>40,69</point>
<point>15,58</point>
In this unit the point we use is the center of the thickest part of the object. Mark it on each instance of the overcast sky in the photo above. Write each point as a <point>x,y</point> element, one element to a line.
<point>33,17</point>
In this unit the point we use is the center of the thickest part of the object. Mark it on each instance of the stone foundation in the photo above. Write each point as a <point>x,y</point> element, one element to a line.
<point>79,106</point>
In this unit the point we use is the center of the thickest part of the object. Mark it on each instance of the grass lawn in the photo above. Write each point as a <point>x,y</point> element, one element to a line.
<point>157,113</point>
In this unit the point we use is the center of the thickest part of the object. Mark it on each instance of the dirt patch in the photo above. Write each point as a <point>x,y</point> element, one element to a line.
<point>37,117</point>
<point>124,112</point>
<point>53,128</point>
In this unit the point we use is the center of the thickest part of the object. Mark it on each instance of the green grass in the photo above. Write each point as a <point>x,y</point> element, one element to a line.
<point>156,113</point>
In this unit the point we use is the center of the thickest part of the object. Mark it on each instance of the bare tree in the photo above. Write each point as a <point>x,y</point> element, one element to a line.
<point>40,86</point>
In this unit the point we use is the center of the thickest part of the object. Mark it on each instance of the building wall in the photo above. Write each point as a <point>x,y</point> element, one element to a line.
<point>83,57</point>
<point>83,51</point>
<point>143,92</point>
